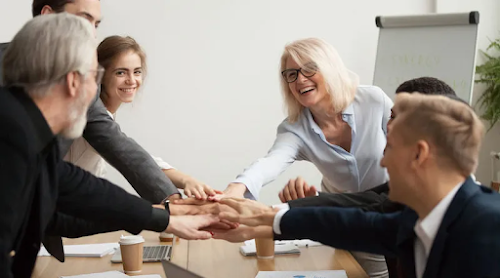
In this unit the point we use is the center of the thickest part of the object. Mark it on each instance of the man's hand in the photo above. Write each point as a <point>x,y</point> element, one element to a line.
<point>295,189</point>
<point>243,233</point>
<point>193,206</point>
<point>247,212</point>
<point>190,226</point>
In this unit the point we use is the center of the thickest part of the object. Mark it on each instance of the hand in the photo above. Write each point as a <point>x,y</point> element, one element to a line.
<point>175,196</point>
<point>222,225</point>
<point>201,191</point>
<point>190,226</point>
<point>295,189</point>
<point>247,212</point>
<point>233,190</point>
<point>192,206</point>
<point>243,233</point>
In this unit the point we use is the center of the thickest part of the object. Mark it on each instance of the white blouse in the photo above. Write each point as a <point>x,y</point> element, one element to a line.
<point>83,155</point>
<point>343,171</point>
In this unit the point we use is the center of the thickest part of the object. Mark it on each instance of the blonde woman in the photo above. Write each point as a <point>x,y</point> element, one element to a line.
<point>333,122</point>
<point>124,62</point>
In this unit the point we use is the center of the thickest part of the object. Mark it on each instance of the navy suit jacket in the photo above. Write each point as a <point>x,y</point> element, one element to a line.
<point>467,243</point>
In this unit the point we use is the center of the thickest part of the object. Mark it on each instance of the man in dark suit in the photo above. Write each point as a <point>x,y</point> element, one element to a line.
<point>48,90</point>
<point>104,134</point>
<point>449,228</point>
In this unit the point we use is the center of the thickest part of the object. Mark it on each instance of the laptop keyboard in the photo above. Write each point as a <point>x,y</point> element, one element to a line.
<point>156,253</point>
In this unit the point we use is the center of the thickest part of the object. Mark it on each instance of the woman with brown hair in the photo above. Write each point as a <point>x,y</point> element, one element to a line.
<point>125,65</point>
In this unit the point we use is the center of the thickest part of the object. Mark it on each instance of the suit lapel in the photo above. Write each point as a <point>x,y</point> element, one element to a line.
<point>468,189</point>
<point>405,242</point>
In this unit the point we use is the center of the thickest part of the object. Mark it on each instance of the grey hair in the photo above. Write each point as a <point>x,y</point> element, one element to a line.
<point>46,49</point>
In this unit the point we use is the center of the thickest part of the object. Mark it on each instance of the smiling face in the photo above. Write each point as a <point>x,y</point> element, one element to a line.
<point>308,91</point>
<point>123,77</point>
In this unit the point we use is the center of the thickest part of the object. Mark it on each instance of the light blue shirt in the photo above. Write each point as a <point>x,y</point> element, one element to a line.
<point>342,171</point>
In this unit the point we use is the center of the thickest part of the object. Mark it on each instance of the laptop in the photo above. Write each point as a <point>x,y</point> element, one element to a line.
<point>156,253</point>
<point>175,271</point>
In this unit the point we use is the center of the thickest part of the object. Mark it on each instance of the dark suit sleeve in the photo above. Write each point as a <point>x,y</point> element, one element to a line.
<point>480,246</point>
<point>83,196</point>
<point>344,228</point>
<point>123,153</point>
<point>356,200</point>
<point>374,199</point>
<point>14,193</point>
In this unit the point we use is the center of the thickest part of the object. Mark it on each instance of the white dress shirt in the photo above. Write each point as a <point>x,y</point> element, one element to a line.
<point>426,230</point>
<point>83,155</point>
<point>354,171</point>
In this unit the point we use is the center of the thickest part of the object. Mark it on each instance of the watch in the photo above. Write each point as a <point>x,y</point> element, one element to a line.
<point>166,204</point>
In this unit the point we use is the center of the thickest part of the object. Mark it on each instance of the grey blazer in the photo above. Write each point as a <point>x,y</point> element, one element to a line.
<point>122,152</point>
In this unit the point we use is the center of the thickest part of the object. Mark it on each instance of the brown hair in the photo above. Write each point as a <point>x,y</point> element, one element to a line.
<point>111,47</point>
<point>450,126</point>
<point>56,5</point>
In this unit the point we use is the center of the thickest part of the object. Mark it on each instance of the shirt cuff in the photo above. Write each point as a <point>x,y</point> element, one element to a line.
<point>159,220</point>
<point>281,206</point>
<point>162,164</point>
<point>277,221</point>
<point>250,192</point>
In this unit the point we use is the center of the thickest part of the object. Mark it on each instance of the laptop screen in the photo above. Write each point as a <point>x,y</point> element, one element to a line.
<point>175,271</point>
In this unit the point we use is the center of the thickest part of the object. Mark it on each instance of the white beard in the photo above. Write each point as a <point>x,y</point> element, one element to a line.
<point>78,117</point>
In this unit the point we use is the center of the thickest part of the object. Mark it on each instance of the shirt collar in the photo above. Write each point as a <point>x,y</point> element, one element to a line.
<point>427,228</point>
<point>44,135</point>
<point>349,109</point>
<point>347,116</point>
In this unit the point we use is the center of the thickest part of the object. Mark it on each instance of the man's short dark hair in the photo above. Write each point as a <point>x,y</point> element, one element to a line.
<point>56,5</point>
<point>426,85</point>
<point>429,86</point>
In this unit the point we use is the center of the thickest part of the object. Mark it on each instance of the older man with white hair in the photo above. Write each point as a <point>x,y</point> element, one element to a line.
<point>51,76</point>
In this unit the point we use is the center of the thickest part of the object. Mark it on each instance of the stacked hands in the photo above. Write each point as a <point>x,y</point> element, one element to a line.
<point>219,215</point>
<point>231,219</point>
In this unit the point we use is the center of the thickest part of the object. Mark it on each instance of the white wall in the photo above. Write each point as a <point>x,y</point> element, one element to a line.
<point>12,17</point>
<point>212,101</point>
<point>489,28</point>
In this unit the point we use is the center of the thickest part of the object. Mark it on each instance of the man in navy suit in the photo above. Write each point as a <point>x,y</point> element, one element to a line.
<point>450,226</point>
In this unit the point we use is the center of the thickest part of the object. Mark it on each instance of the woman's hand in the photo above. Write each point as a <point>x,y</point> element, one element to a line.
<point>233,190</point>
<point>199,190</point>
<point>295,189</point>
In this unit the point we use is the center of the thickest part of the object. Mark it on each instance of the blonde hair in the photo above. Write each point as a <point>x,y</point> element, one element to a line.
<point>449,125</point>
<point>341,83</point>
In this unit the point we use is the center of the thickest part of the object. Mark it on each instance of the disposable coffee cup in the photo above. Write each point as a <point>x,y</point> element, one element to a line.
<point>131,248</point>
<point>264,248</point>
<point>166,237</point>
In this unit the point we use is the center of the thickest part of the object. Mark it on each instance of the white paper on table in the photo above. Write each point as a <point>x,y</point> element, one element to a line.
<point>85,250</point>
<point>303,274</point>
<point>110,274</point>
<point>297,242</point>
<point>250,250</point>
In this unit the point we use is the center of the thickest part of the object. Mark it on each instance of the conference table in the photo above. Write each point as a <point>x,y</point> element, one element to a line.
<point>208,258</point>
